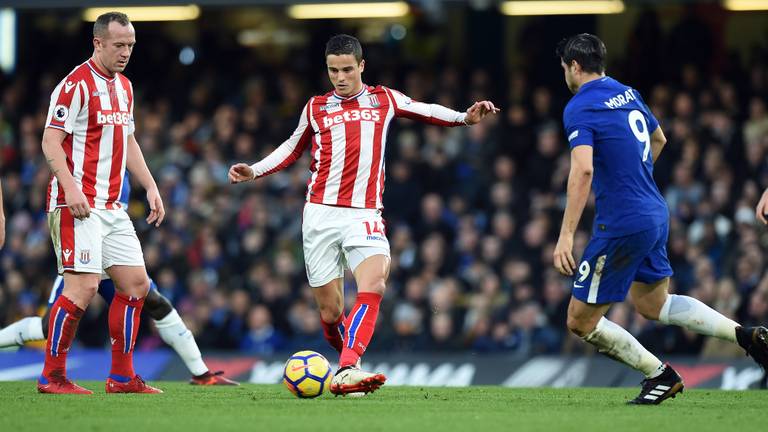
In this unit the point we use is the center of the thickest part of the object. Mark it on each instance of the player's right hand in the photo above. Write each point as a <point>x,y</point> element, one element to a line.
<point>761,209</point>
<point>77,203</point>
<point>562,257</point>
<point>241,172</point>
<point>156,207</point>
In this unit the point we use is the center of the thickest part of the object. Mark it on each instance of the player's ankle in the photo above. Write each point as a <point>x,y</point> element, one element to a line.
<point>54,374</point>
<point>121,378</point>
<point>348,359</point>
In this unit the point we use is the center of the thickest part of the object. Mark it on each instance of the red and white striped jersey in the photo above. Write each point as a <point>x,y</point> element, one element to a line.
<point>348,138</point>
<point>96,111</point>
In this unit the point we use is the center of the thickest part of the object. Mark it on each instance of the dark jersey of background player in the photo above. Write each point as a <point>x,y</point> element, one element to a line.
<point>612,118</point>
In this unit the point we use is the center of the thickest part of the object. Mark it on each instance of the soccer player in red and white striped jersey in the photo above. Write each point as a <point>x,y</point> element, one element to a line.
<point>88,143</point>
<point>346,132</point>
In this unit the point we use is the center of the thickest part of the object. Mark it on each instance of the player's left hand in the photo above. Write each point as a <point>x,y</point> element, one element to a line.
<point>157,210</point>
<point>762,207</point>
<point>479,110</point>
<point>563,256</point>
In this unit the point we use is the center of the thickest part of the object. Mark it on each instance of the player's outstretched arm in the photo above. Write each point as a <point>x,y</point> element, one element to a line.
<point>658,141</point>
<point>439,115</point>
<point>137,166</point>
<point>579,186</point>
<point>282,157</point>
<point>57,161</point>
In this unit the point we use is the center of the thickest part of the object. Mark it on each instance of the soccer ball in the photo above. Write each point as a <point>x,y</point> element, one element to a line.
<point>307,374</point>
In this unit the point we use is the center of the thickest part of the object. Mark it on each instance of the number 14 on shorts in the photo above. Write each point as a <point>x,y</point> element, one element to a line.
<point>375,230</point>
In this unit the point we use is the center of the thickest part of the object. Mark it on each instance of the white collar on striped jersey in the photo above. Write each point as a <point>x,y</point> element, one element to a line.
<point>360,93</point>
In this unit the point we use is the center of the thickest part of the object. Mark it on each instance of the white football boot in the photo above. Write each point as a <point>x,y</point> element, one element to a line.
<point>353,381</point>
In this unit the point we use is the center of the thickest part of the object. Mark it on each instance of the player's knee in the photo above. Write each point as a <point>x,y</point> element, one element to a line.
<point>157,306</point>
<point>376,285</point>
<point>89,288</point>
<point>331,311</point>
<point>138,287</point>
<point>578,326</point>
<point>143,286</point>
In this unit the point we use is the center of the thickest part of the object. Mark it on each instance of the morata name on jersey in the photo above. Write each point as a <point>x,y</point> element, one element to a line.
<point>620,99</point>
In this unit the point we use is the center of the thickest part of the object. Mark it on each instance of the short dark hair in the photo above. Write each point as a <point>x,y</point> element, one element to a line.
<point>344,44</point>
<point>102,22</point>
<point>587,49</point>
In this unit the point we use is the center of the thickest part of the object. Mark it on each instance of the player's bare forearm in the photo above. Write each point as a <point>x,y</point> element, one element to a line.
<point>658,141</point>
<point>137,166</point>
<point>579,186</point>
<point>56,158</point>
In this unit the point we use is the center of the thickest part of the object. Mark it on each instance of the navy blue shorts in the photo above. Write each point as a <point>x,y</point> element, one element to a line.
<point>610,265</point>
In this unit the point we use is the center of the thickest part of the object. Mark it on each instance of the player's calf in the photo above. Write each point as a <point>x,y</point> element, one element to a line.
<point>657,390</point>
<point>157,306</point>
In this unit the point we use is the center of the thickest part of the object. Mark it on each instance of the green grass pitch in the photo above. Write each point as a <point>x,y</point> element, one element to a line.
<point>394,409</point>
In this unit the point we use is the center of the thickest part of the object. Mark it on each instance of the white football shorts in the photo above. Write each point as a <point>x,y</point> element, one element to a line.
<point>339,236</point>
<point>104,239</point>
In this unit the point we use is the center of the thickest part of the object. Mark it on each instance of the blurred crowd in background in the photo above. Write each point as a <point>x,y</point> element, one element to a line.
<point>472,213</point>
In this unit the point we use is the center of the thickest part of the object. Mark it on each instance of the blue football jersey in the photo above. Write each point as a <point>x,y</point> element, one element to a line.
<point>125,193</point>
<point>614,120</point>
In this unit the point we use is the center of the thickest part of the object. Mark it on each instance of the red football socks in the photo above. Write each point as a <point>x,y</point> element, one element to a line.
<point>124,314</point>
<point>62,326</point>
<point>334,332</point>
<point>359,327</point>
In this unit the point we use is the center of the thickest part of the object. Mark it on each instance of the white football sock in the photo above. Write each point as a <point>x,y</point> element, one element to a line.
<point>175,333</point>
<point>23,330</point>
<point>694,315</point>
<point>615,342</point>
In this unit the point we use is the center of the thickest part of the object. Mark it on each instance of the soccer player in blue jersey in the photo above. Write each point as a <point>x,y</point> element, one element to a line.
<point>172,329</point>
<point>614,140</point>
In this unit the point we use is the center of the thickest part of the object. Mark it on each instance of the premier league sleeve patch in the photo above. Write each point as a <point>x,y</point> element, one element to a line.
<point>60,113</point>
